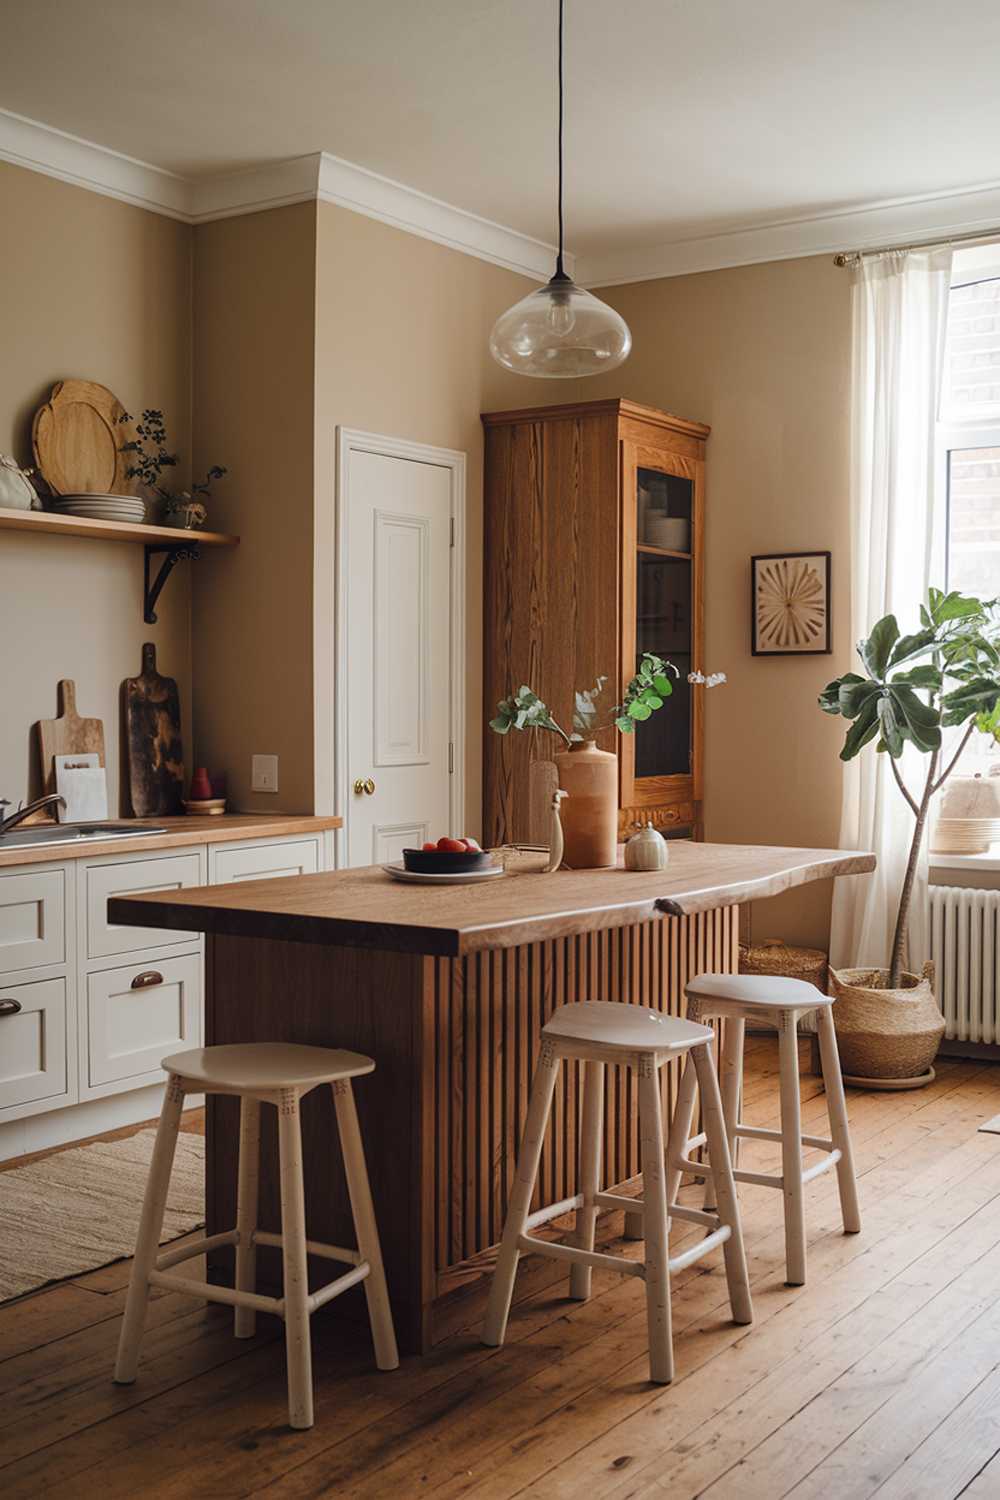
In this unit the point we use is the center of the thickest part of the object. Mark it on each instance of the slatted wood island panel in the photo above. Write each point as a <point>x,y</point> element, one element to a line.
<point>448,991</point>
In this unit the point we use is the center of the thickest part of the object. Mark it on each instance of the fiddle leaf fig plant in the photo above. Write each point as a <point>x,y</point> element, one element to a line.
<point>944,675</point>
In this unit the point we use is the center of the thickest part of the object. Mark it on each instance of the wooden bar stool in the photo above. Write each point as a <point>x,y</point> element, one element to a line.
<point>628,1036</point>
<point>278,1074</point>
<point>736,999</point>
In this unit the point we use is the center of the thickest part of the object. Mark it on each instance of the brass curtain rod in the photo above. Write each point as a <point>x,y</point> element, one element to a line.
<point>980,236</point>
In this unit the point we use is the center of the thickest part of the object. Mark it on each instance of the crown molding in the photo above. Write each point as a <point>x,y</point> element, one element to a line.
<point>329,179</point>
<point>365,192</point>
<point>40,148</point>
<point>874,226</point>
<point>302,179</point>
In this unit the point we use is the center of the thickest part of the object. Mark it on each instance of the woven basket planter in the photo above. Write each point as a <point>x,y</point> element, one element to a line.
<point>886,1037</point>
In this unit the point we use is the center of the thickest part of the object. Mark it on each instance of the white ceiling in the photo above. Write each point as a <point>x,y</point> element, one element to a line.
<point>685,118</point>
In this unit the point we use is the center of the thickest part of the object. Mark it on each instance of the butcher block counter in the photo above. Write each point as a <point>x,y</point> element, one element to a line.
<point>447,988</point>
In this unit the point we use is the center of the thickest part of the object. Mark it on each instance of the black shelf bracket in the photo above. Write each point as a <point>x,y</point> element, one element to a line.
<point>175,553</point>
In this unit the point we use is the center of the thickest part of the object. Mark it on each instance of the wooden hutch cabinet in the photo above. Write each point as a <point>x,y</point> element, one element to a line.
<point>594,550</point>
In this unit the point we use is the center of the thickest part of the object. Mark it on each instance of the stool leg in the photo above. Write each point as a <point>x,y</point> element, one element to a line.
<point>580,1277</point>
<point>725,1185</point>
<point>680,1129</point>
<point>655,1223</point>
<point>245,1319</point>
<point>791,1150</point>
<point>365,1226</point>
<point>840,1131</point>
<point>731,1084</point>
<point>298,1349</point>
<point>150,1225</point>
<point>502,1289</point>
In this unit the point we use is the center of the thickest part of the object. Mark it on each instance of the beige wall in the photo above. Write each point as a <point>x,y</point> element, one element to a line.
<point>254,319</point>
<point>93,288</point>
<point>402,330</point>
<point>762,354</point>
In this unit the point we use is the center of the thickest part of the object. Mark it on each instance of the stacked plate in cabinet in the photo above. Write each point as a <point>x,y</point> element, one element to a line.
<point>100,507</point>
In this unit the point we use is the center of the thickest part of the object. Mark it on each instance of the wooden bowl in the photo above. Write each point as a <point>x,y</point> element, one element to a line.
<point>210,807</point>
<point>441,862</point>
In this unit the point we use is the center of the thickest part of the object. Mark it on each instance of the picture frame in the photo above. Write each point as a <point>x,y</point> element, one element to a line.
<point>790,606</point>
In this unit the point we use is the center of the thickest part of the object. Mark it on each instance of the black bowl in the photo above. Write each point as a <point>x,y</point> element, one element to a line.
<point>441,862</point>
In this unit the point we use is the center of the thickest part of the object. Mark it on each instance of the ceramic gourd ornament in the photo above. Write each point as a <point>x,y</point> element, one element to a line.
<point>16,490</point>
<point>646,850</point>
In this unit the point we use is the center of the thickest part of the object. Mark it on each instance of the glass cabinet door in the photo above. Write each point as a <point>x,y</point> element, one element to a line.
<point>662,527</point>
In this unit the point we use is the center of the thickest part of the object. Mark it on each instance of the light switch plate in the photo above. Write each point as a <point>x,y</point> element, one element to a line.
<point>264,773</point>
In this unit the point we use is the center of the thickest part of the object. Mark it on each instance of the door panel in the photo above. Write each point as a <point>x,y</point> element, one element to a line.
<point>397,535</point>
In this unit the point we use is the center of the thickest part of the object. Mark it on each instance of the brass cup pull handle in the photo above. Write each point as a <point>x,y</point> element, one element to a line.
<point>366,785</point>
<point>147,979</point>
<point>9,1007</point>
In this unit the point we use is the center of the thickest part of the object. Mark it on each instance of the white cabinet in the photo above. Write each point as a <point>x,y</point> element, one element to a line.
<point>88,1007</point>
<point>32,919</point>
<point>34,1072</point>
<point>233,862</point>
<point>165,872</point>
<point>135,1015</point>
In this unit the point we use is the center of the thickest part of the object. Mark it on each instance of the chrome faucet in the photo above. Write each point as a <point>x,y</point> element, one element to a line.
<point>6,824</point>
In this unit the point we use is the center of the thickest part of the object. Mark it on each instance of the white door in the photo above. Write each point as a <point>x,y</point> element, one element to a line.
<point>396,692</point>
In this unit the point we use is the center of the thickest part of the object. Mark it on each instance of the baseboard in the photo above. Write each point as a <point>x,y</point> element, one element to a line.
<point>77,1122</point>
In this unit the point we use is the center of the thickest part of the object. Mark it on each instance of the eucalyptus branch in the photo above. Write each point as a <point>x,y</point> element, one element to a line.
<point>914,807</point>
<point>955,759</point>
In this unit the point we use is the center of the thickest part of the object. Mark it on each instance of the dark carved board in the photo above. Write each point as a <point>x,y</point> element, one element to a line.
<point>153,741</point>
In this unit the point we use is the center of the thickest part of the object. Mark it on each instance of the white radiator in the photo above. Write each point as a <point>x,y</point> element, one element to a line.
<point>965,947</point>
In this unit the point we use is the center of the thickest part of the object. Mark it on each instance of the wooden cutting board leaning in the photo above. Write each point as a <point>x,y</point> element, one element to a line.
<point>67,734</point>
<point>77,438</point>
<point>153,741</point>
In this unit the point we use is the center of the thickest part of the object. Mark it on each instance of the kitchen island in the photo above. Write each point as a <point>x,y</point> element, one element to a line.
<point>447,988</point>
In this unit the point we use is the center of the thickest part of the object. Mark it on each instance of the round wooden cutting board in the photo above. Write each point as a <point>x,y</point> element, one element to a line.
<point>77,440</point>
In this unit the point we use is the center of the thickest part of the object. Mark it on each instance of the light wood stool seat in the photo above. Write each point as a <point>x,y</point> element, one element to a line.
<point>599,1032</point>
<point>737,998</point>
<point>260,1069</point>
<point>278,1074</point>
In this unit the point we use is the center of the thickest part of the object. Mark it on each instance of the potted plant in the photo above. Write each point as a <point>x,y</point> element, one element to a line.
<point>945,675</point>
<point>184,508</point>
<point>588,775</point>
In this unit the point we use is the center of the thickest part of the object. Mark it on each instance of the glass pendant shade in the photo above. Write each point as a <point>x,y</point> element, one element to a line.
<point>560,332</point>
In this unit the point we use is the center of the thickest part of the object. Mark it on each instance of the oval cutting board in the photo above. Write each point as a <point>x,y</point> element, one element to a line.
<point>77,440</point>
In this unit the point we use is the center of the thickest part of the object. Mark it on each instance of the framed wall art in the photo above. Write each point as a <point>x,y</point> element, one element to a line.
<point>790,604</point>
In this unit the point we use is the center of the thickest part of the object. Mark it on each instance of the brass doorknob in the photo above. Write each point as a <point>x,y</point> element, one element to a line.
<point>366,785</point>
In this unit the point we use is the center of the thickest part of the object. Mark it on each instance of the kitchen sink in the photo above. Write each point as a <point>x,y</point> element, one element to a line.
<point>72,833</point>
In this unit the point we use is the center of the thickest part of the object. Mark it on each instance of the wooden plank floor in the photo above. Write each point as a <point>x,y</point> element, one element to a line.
<point>881,1377</point>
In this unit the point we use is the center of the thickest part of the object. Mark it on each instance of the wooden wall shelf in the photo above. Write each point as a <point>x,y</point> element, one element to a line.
<point>174,542</point>
<point>109,531</point>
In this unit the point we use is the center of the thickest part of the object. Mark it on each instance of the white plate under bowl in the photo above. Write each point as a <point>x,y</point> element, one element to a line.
<point>82,508</point>
<point>460,877</point>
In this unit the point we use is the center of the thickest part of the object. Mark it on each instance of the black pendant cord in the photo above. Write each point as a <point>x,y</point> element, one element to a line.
<point>559,257</point>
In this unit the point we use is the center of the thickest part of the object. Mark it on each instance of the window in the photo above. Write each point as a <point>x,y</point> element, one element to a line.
<point>969,442</point>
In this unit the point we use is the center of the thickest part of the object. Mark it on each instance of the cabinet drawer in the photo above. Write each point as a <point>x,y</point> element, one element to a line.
<point>32,1042</point>
<point>264,861</point>
<point>137,1014</point>
<point>32,920</point>
<point>107,939</point>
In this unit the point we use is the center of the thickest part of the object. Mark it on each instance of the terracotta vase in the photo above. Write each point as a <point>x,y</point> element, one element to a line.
<point>589,777</point>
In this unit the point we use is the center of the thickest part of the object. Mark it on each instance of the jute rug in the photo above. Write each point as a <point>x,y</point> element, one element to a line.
<point>77,1210</point>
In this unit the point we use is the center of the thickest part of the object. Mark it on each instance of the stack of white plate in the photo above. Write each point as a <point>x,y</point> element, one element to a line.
<point>100,507</point>
<point>965,835</point>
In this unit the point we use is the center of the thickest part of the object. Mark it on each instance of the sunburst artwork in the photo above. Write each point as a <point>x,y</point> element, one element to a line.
<point>791,604</point>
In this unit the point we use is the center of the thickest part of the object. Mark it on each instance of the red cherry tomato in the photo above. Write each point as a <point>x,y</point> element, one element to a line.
<point>430,845</point>
<point>451,846</point>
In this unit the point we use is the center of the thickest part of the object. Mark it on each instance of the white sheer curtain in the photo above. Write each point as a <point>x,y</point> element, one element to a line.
<point>900,309</point>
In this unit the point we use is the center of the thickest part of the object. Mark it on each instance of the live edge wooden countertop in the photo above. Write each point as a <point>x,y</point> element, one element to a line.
<point>223,828</point>
<point>365,908</point>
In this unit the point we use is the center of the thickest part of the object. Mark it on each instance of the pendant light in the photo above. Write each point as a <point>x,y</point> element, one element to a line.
<point>560,332</point>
